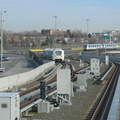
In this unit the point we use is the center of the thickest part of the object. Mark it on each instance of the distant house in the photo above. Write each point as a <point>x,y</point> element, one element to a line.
<point>46,31</point>
<point>52,32</point>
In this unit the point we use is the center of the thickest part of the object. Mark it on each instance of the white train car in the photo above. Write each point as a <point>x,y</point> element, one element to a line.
<point>92,46</point>
<point>110,46</point>
<point>56,54</point>
<point>99,46</point>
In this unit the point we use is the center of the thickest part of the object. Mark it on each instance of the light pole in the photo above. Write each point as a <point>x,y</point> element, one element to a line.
<point>55,29</point>
<point>87,29</point>
<point>1,37</point>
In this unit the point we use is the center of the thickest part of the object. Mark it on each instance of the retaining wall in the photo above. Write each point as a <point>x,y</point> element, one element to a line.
<point>14,80</point>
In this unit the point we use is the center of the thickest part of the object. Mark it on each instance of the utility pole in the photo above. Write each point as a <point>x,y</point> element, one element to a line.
<point>55,31</point>
<point>1,37</point>
<point>87,29</point>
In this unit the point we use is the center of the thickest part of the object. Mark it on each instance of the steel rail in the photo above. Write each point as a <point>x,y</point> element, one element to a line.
<point>33,94</point>
<point>101,109</point>
<point>107,72</point>
<point>112,88</point>
<point>38,86</point>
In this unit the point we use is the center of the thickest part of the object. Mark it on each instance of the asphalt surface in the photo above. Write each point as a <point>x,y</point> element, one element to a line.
<point>17,64</point>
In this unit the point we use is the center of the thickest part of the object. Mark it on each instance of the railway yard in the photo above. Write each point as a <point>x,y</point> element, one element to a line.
<point>89,103</point>
<point>82,102</point>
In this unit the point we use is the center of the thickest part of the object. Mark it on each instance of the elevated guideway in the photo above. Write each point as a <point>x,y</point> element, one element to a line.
<point>114,110</point>
<point>111,52</point>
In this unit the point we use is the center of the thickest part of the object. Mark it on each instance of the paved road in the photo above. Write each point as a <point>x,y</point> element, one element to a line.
<point>21,63</point>
<point>17,64</point>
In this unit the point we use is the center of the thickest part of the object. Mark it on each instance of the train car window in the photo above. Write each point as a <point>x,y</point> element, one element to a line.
<point>58,52</point>
<point>4,105</point>
<point>85,46</point>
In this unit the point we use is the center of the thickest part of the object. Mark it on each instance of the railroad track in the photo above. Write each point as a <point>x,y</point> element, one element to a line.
<point>36,97</point>
<point>97,110</point>
<point>100,109</point>
<point>33,94</point>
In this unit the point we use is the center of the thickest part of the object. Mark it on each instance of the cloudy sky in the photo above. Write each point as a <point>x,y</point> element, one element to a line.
<point>26,15</point>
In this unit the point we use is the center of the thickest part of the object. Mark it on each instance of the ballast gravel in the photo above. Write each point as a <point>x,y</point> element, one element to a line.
<point>81,102</point>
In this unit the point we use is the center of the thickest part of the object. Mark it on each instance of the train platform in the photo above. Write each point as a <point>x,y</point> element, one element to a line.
<point>114,113</point>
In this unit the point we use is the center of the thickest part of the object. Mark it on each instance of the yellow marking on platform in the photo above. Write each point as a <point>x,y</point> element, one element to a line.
<point>34,50</point>
<point>77,48</point>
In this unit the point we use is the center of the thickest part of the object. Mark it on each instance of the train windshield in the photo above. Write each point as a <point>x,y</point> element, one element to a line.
<point>85,46</point>
<point>58,52</point>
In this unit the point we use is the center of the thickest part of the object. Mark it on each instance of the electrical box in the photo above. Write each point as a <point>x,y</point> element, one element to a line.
<point>9,106</point>
<point>95,66</point>
<point>43,107</point>
<point>64,86</point>
<point>106,59</point>
<point>63,81</point>
<point>81,80</point>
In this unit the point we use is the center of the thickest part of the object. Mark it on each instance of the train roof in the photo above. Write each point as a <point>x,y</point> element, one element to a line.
<point>110,44</point>
<point>92,44</point>
<point>51,49</point>
<point>103,44</point>
<point>48,49</point>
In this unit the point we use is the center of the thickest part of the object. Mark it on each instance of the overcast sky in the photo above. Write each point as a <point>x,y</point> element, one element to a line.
<point>26,15</point>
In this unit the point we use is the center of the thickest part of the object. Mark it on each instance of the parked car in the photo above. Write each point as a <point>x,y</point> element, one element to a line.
<point>2,69</point>
<point>5,58</point>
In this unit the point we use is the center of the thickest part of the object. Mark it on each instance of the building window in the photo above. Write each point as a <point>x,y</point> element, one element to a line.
<point>4,105</point>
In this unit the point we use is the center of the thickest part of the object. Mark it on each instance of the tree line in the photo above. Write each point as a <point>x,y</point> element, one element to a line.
<point>31,39</point>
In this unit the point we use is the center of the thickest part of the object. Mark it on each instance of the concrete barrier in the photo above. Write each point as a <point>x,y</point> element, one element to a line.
<point>14,80</point>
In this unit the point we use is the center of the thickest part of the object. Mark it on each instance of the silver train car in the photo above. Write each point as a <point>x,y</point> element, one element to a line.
<point>56,54</point>
<point>99,46</point>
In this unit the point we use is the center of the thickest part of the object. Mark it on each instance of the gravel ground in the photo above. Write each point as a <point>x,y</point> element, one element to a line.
<point>81,102</point>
